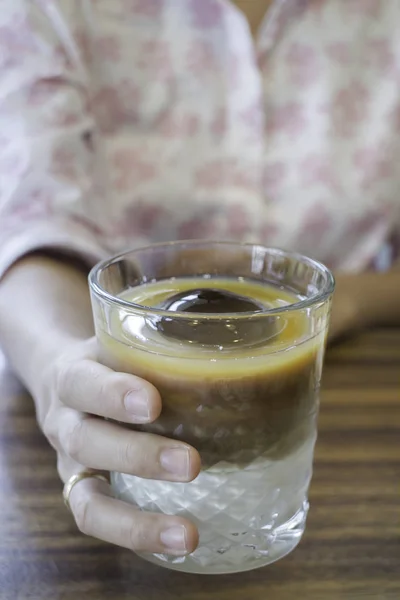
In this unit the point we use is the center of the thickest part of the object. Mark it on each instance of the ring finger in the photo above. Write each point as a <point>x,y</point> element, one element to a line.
<point>100,515</point>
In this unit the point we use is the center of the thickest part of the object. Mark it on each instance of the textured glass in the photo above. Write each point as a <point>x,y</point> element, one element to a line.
<point>249,406</point>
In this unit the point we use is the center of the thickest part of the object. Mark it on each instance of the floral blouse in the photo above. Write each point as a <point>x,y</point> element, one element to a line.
<point>126,122</point>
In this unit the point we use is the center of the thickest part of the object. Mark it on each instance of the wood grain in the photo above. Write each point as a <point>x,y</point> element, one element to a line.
<point>351,549</point>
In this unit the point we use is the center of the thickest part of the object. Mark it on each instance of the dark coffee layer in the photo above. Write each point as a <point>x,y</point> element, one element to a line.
<point>234,404</point>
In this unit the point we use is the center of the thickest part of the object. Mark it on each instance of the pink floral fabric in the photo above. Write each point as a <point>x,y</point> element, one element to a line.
<point>136,121</point>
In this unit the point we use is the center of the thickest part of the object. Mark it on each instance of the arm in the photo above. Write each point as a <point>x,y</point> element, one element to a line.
<point>378,295</point>
<point>44,308</point>
<point>365,300</point>
<point>47,160</point>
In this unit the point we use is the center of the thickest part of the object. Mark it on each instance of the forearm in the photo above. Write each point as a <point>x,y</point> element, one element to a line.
<point>366,300</point>
<point>44,306</point>
<point>378,297</point>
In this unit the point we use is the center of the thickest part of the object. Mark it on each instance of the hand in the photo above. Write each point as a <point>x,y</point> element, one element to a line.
<point>78,392</point>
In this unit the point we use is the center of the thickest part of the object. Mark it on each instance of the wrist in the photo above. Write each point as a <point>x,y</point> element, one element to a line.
<point>46,352</point>
<point>44,309</point>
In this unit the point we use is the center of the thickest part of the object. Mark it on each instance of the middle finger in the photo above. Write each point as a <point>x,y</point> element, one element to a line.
<point>99,444</point>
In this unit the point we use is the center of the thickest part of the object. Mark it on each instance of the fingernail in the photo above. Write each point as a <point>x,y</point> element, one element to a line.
<point>176,461</point>
<point>137,404</point>
<point>174,538</point>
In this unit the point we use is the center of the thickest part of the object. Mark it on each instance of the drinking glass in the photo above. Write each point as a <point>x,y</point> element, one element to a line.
<point>242,386</point>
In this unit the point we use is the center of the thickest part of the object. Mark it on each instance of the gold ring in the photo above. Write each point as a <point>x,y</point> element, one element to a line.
<point>72,481</point>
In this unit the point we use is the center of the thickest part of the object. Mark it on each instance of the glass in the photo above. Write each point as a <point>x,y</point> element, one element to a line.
<point>241,387</point>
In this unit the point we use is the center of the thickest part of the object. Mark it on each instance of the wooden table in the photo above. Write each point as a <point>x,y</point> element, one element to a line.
<point>352,545</point>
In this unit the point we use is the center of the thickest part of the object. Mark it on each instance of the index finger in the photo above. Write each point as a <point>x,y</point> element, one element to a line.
<point>90,387</point>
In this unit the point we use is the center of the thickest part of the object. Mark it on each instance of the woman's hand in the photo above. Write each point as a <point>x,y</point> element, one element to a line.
<point>79,392</point>
<point>47,335</point>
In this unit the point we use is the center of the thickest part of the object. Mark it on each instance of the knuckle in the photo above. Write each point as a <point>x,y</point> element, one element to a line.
<point>65,379</point>
<point>82,514</point>
<point>111,391</point>
<point>128,456</point>
<point>50,429</point>
<point>73,441</point>
<point>139,537</point>
<point>104,390</point>
<point>136,458</point>
<point>93,373</point>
